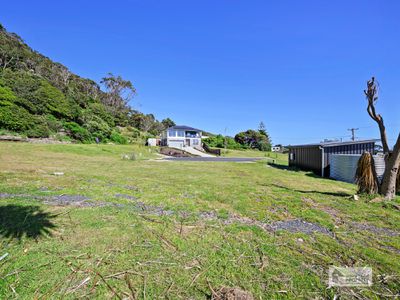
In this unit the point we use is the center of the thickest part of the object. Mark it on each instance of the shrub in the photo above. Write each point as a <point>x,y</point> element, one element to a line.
<point>15,118</point>
<point>40,130</point>
<point>100,111</point>
<point>77,132</point>
<point>51,100</point>
<point>98,128</point>
<point>254,139</point>
<point>264,146</point>
<point>7,96</point>
<point>218,141</point>
<point>118,138</point>
<point>53,123</point>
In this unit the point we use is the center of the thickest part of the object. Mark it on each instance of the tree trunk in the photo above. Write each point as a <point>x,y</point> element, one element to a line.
<point>388,186</point>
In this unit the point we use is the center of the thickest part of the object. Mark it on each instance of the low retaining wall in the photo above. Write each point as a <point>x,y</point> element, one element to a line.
<point>343,166</point>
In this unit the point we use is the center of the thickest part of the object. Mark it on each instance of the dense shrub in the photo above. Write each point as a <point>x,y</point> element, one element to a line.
<point>77,132</point>
<point>16,118</point>
<point>219,140</point>
<point>254,139</point>
<point>98,128</point>
<point>54,124</point>
<point>39,130</point>
<point>7,96</point>
<point>100,111</point>
<point>51,100</point>
<point>118,138</point>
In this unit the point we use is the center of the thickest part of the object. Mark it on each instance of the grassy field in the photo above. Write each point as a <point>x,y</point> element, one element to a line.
<point>85,221</point>
<point>272,157</point>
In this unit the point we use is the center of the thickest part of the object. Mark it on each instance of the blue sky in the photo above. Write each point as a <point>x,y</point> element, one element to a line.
<point>298,66</point>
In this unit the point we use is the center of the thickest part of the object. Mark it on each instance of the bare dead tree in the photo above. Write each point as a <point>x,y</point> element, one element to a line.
<point>65,75</point>
<point>6,59</point>
<point>387,187</point>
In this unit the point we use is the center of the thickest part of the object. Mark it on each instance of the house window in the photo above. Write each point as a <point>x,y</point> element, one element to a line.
<point>171,133</point>
<point>192,134</point>
<point>181,133</point>
<point>195,142</point>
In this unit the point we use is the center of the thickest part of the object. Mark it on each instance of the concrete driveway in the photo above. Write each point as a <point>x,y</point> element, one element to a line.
<point>214,159</point>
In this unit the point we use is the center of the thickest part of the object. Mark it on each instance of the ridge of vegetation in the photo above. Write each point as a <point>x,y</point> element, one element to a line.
<point>42,98</point>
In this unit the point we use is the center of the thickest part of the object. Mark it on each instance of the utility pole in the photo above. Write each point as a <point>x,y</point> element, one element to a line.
<point>353,135</point>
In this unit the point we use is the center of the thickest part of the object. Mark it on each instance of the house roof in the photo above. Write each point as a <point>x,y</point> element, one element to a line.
<point>183,127</point>
<point>333,144</point>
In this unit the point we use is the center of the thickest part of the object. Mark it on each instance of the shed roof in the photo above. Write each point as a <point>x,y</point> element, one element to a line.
<point>183,127</point>
<point>333,144</point>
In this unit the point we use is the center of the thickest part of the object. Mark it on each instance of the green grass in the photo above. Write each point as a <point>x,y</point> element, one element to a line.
<point>282,158</point>
<point>117,252</point>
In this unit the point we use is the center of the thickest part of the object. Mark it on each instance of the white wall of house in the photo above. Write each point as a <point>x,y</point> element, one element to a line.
<point>181,138</point>
<point>276,149</point>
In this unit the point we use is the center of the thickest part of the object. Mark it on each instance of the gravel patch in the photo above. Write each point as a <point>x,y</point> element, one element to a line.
<point>296,225</point>
<point>373,229</point>
<point>208,215</point>
<point>63,200</point>
<point>125,196</point>
<point>131,187</point>
<point>391,249</point>
<point>5,195</point>
<point>152,209</point>
<point>299,226</point>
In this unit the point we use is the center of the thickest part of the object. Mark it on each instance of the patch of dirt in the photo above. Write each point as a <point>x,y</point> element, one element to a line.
<point>174,152</point>
<point>373,229</point>
<point>391,249</point>
<point>125,196</point>
<point>208,215</point>
<point>6,195</point>
<point>152,209</point>
<point>292,225</point>
<point>63,200</point>
<point>227,293</point>
<point>295,225</point>
<point>131,188</point>
<point>299,226</point>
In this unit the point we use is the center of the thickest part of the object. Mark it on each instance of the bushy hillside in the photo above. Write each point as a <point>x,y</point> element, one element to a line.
<point>42,98</point>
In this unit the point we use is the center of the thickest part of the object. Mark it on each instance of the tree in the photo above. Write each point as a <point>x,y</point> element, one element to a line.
<point>253,139</point>
<point>119,93</point>
<point>392,159</point>
<point>142,121</point>
<point>261,128</point>
<point>167,123</point>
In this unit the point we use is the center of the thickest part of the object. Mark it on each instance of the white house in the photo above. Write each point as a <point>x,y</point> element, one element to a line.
<point>276,148</point>
<point>180,136</point>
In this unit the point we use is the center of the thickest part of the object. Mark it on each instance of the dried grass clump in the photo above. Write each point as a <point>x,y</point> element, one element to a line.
<point>366,177</point>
